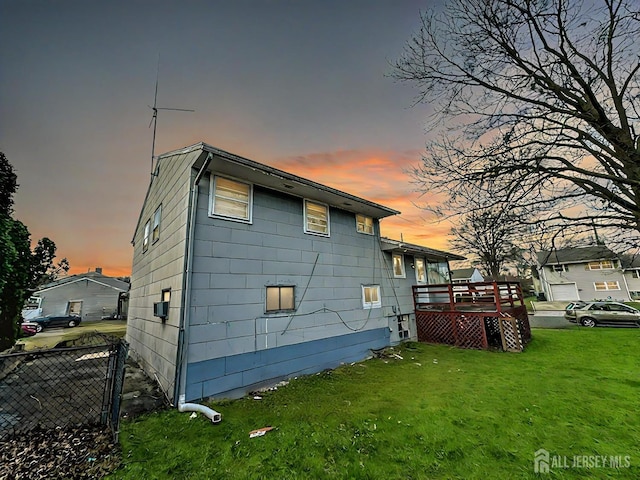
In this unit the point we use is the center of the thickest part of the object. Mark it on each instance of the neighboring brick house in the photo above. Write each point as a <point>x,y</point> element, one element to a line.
<point>582,273</point>
<point>244,275</point>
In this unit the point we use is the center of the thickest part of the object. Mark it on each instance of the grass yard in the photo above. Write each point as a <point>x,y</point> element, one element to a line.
<point>439,412</point>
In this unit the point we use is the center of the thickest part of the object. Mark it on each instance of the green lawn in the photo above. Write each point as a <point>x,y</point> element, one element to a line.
<point>439,412</point>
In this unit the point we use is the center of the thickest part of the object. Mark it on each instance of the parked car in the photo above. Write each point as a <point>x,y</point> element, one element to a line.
<point>29,329</point>
<point>590,314</point>
<point>56,321</point>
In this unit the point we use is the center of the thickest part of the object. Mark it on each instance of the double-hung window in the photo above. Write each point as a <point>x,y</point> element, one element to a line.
<point>364,224</point>
<point>145,240</point>
<point>398,265</point>
<point>230,199</point>
<point>371,297</point>
<point>155,234</point>
<point>316,218</point>
<point>421,272</point>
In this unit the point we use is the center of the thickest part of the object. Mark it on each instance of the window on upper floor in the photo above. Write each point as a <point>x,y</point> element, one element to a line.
<point>601,286</point>
<point>280,298</point>
<point>316,218</point>
<point>155,234</point>
<point>364,224</point>
<point>145,239</point>
<point>398,265</point>
<point>421,272</point>
<point>371,296</point>
<point>559,268</point>
<point>635,273</point>
<point>601,265</point>
<point>230,199</point>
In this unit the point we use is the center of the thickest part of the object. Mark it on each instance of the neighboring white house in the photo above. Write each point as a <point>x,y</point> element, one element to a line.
<point>582,273</point>
<point>90,295</point>
<point>466,275</point>
<point>244,275</point>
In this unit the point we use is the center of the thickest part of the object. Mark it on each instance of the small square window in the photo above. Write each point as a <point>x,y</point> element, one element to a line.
<point>155,235</point>
<point>316,218</point>
<point>398,265</point>
<point>145,240</point>
<point>230,199</point>
<point>280,298</point>
<point>371,296</point>
<point>364,224</point>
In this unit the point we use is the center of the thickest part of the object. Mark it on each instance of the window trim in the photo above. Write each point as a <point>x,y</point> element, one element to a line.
<point>559,268</point>
<point>145,237</point>
<point>165,291</point>
<point>212,200</point>
<point>280,309</point>
<point>155,230</point>
<point>363,223</point>
<point>371,304</point>
<point>393,265</point>
<point>606,285</point>
<point>305,219</point>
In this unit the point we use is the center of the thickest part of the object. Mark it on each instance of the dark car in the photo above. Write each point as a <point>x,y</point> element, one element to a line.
<point>29,329</point>
<point>56,321</point>
<point>591,314</point>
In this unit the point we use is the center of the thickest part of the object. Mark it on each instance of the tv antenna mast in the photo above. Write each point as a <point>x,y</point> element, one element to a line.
<point>154,117</point>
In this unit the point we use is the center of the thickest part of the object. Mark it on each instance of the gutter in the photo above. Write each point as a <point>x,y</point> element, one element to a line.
<point>183,333</point>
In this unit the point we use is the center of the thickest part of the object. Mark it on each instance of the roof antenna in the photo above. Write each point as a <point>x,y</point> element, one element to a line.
<point>154,117</point>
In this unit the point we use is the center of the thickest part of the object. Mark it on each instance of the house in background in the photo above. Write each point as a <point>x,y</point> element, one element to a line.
<point>91,296</point>
<point>466,275</point>
<point>582,273</point>
<point>244,275</point>
<point>631,272</point>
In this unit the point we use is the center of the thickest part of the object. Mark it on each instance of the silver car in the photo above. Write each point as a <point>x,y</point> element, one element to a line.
<point>590,314</point>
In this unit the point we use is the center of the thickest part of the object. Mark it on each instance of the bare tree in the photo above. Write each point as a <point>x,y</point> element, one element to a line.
<point>538,104</point>
<point>488,236</point>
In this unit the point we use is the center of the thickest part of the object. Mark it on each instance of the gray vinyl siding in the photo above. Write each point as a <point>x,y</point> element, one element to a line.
<point>584,279</point>
<point>153,341</point>
<point>97,300</point>
<point>234,262</point>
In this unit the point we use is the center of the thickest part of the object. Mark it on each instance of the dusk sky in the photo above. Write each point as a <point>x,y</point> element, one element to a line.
<point>298,85</point>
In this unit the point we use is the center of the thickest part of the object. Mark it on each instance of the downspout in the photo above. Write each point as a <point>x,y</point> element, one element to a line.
<point>183,334</point>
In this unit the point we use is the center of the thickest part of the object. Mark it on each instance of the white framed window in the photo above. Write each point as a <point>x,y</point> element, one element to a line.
<point>398,265</point>
<point>145,240</point>
<point>601,265</point>
<point>559,268</point>
<point>371,296</point>
<point>602,286</point>
<point>421,271</point>
<point>230,199</point>
<point>155,233</point>
<point>316,218</point>
<point>635,273</point>
<point>280,298</point>
<point>364,224</point>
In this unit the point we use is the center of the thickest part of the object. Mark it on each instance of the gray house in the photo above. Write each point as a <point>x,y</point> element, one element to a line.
<point>582,273</point>
<point>631,272</point>
<point>244,275</point>
<point>91,296</point>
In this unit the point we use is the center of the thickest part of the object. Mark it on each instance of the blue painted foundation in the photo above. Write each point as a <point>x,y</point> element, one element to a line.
<point>237,374</point>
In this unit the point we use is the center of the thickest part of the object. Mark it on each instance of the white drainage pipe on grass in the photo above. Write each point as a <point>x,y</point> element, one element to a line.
<point>214,416</point>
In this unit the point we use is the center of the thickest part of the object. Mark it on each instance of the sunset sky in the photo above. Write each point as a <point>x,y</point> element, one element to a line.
<point>299,85</point>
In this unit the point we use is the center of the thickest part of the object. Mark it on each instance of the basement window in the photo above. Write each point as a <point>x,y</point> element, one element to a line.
<point>280,299</point>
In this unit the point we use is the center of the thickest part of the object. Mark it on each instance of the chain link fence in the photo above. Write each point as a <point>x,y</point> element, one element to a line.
<point>77,384</point>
